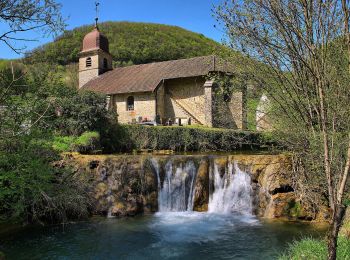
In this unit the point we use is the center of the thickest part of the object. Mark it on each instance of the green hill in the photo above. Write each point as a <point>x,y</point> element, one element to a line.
<point>130,43</point>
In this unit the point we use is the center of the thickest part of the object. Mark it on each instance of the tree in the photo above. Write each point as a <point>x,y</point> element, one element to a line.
<point>20,16</point>
<point>307,76</point>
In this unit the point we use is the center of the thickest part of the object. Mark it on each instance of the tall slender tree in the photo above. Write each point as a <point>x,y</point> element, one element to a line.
<point>306,76</point>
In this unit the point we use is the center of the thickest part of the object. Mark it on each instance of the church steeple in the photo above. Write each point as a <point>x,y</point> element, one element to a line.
<point>95,58</point>
<point>97,4</point>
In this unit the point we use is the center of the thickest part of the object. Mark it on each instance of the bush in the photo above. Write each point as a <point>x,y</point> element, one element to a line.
<point>63,143</point>
<point>87,142</point>
<point>32,189</point>
<point>310,248</point>
<point>185,139</point>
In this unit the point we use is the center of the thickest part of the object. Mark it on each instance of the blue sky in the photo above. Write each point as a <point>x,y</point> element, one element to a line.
<point>194,15</point>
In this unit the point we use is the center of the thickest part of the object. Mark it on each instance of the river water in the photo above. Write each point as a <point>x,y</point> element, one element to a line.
<point>182,235</point>
<point>227,231</point>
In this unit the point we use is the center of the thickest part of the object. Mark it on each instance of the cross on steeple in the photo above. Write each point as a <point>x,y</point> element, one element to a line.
<point>96,9</point>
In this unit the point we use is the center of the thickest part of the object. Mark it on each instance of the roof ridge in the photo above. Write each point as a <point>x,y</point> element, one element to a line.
<point>146,77</point>
<point>167,61</point>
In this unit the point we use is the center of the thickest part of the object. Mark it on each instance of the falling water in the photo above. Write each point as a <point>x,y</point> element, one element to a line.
<point>232,191</point>
<point>177,190</point>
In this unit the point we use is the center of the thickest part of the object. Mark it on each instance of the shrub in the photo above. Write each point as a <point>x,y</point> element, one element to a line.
<point>63,143</point>
<point>86,143</point>
<point>185,138</point>
<point>32,189</point>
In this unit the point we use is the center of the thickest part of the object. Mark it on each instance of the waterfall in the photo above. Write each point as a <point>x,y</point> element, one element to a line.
<point>232,191</point>
<point>177,180</point>
<point>177,190</point>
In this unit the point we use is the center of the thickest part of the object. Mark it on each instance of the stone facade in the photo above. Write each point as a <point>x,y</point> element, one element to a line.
<point>188,99</point>
<point>144,106</point>
<point>97,65</point>
<point>182,98</point>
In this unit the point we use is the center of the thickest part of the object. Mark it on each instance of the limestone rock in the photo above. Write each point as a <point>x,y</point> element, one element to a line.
<point>201,197</point>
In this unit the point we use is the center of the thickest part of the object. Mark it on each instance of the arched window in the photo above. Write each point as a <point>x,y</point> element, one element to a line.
<point>130,103</point>
<point>88,62</point>
<point>105,63</point>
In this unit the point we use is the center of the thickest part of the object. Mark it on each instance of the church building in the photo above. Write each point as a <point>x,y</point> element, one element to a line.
<point>176,91</point>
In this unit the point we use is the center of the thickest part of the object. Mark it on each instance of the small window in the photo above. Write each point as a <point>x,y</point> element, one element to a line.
<point>130,103</point>
<point>88,62</point>
<point>105,63</point>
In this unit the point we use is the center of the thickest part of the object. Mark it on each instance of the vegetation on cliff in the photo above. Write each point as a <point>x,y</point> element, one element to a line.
<point>37,110</point>
<point>129,43</point>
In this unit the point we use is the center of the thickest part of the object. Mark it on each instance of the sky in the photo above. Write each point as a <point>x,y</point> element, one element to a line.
<point>193,15</point>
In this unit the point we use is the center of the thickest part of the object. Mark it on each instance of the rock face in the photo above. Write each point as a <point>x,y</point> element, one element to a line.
<point>127,185</point>
<point>201,196</point>
<point>120,185</point>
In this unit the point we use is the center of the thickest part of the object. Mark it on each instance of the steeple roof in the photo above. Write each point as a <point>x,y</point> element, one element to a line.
<point>95,40</point>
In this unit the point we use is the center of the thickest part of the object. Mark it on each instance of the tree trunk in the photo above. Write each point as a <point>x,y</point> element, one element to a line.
<point>337,219</point>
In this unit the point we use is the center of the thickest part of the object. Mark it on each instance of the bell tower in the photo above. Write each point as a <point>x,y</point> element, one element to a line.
<point>94,59</point>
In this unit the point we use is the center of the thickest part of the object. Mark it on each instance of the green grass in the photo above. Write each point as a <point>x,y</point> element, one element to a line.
<point>315,249</point>
<point>74,143</point>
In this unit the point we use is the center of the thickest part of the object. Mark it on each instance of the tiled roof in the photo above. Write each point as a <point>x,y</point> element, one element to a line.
<point>95,40</point>
<point>146,77</point>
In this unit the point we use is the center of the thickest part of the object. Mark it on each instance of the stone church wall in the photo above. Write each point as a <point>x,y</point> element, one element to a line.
<point>88,73</point>
<point>185,98</point>
<point>144,106</point>
<point>97,66</point>
<point>228,114</point>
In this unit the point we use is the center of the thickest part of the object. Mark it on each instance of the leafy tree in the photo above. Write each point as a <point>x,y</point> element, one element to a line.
<point>19,16</point>
<point>307,82</point>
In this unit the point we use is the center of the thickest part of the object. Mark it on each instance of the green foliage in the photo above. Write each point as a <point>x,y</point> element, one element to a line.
<point>310,248</point>
<point>40,92</point>
<point>3,64</point>
<point>185,138</point>
<point>130,43</point>
<point>252,105</point>
<point>87,142</point>
<point>347,202</point>
<point>294,209</point>
<point>63,143</point>
<point>31,189</point>
<point>38,106</point>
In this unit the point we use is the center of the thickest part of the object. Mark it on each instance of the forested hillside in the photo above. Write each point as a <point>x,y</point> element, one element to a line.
<point>130,43</point>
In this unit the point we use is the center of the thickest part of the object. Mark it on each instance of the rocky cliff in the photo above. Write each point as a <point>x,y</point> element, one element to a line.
<point>126,185</point>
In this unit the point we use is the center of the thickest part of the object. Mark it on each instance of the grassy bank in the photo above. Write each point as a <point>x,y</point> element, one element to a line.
<point>134,137</point>
<point>309,248</point>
